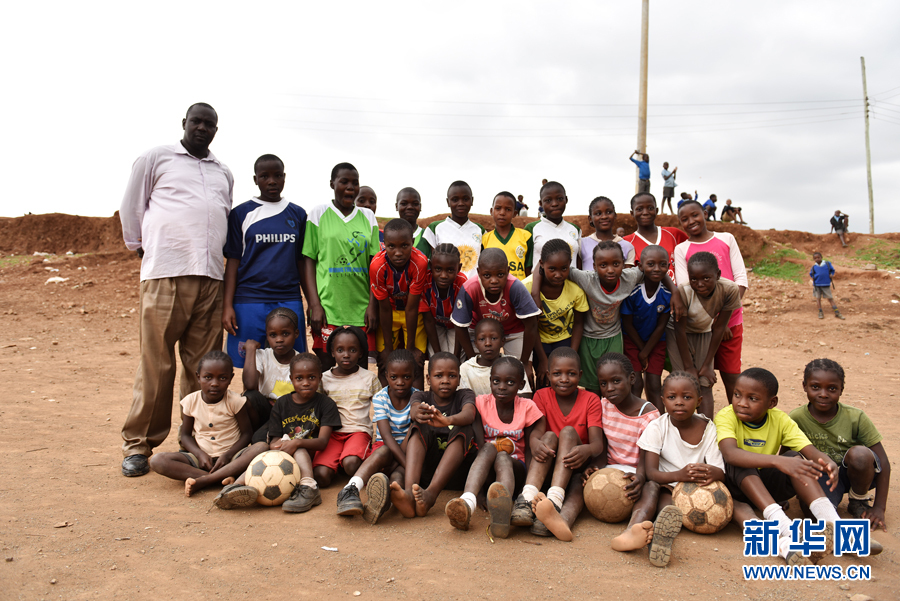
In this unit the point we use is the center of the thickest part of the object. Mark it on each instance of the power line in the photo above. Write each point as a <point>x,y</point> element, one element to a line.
<point>883,102</point>
<point>887,118</point>
<point>881,108</point>
<point>886,91</point>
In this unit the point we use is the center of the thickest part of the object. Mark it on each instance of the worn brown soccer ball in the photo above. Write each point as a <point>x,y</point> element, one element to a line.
<point>706,509</point>
<point>273,474</point>
<point>604,495</point>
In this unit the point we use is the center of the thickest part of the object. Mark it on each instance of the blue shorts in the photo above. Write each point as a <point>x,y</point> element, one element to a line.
<point>251,325</point>
<point>843,484</point>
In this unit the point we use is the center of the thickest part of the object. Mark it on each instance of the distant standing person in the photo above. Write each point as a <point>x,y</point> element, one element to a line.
<point>643,170</point>
<point>732,213</point>
<point>175,214</point>
<point>668,188</point>
<point>839,224</point>
<point>821,273</point>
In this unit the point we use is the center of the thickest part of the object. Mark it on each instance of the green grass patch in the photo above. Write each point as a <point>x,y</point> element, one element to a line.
<point>882,253</point>
<point>16,260</point>
<point>776,265</point>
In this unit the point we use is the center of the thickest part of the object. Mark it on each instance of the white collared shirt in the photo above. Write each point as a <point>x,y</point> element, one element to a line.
<point>544,229</point>
<point>176,208</point>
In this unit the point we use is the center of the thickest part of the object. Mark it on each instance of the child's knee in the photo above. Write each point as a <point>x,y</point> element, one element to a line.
<point>859,458</point>
<point>351,464</point>
<point>550,439</point>
<point>323,476</point>
<point>156,461</point>
<point>503,461</point>
<point>569,435</point>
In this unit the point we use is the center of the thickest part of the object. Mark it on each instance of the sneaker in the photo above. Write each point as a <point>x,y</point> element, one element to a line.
<point>538,528</point>
<point>838,315</point>
<point>236,495</point>
<point>499,505</point>
<point>796,558</point>
<point>665,529</point>
<point>378,498</point>
<point>522,514</point>
<point>875,548</point>
<point>856,507</point>
<point>821,315</point>
<point>348,502</point>
<point>302,499</point>
<point>458,513</point>
<point>817,556</point>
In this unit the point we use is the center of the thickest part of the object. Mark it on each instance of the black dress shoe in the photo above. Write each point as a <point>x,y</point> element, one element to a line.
<point>135,465</point>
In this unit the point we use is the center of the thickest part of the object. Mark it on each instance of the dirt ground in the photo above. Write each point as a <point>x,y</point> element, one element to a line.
<point>74,528</point>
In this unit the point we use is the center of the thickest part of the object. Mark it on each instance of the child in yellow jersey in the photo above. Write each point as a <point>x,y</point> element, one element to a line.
<point>514,241</point>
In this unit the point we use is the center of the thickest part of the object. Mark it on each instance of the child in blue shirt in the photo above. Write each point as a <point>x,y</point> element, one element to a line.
<point>263,261</point>
<point>821,273</point>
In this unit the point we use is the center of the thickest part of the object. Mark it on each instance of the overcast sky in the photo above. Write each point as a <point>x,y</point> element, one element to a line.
<point>759,102</point>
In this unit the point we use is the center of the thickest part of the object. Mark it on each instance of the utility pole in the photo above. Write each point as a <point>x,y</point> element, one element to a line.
<point>862,61</point>
<point>642,95</point>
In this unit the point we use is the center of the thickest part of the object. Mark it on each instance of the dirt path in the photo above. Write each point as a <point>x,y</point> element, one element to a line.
<point>68,353</point>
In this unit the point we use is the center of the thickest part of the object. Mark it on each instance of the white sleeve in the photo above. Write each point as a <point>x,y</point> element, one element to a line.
<point>135,201</point>
<point>712,452</point>
<point>737,261</point>
<point>652,438</point>
<point>678,257</point>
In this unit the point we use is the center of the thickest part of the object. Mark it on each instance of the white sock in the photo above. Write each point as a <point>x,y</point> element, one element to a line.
<point>469,498</point>
<point>824,510</point>
<point>529,491</point>
<point>357,481</point>
<point>310,482</point>
<point>557,495</point>
<point>775,512</point>
<point>866,496</point>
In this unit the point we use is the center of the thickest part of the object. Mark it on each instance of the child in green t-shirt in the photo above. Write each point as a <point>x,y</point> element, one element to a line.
<point>849,437</point>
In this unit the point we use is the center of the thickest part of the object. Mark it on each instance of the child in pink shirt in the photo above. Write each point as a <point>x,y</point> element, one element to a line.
<point>731,264</point>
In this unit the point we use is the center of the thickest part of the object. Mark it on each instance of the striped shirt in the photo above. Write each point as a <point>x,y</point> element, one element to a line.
<point>398,418</point>
<point>441,307</point>
<point>389,283</point>
<point>622,433</point>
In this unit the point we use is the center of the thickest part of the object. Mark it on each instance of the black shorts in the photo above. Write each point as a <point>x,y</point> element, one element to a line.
<point>260,408</point>
<point>435,441</point>
<point>776,482</point>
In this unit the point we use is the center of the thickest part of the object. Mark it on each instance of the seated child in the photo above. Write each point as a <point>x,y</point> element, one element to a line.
<point>731,213</point>
<point>750,432</point>
<point>398,277</point>
<point>442,439</point>
<point>509,420</point>
<point>441,288</point>
<point>625,417</point>
<point>215,431</point>
<point>495,293</point>
<point>821,273</point>
<point>301,424</point>
<point>602,216</point>
<point>572,441</point>
<point>710,301</point>
<point>551,225</point>
<point>475,373</point>
<point>514,241</point>
<point>849,437</point>
<point>645,314</point>
<point>267,372</point>
<point>352,388</point>
<point>679,446</point>
<point>264,261</point>
<point>563,305</point>
<point>456,229</point>
<point>391,405</point>
<point>686,197</point>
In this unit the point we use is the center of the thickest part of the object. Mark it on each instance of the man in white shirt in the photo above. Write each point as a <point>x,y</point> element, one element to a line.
<point>174,214</point>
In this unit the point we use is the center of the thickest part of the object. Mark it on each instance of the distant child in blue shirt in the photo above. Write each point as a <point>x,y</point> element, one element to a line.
<point>643,170</point>
<point>821,273</point>
<point>710,206</point>
<point>263,260</point>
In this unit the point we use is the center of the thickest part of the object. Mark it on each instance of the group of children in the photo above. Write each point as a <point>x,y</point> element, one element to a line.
<point>539,344</point>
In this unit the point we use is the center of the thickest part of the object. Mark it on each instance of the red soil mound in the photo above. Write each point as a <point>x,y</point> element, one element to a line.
<point>59,233</point>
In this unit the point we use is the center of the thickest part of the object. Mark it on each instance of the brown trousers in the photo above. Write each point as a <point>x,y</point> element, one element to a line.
<point>186,310</point>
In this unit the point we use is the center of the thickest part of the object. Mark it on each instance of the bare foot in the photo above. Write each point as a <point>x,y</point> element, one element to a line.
<point>227,481</point>
<point>424,500</point>
<point>403,501</point>
<point>189,486</point>
<point>636,537</point>
<point>547,514</point>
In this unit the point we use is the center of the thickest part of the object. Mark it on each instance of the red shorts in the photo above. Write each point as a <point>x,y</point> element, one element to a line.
<point>728,357</point>
<point>321,340</point>
<point>656,360</point>
<point>340,446</point>
<point>376,445</point>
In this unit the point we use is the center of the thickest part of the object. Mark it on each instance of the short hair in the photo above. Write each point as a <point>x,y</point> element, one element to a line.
<point>688,203</point>
<point>554,246</point>
<point>306,358</point>
<point>265,158</point>
<point>492,256</point>
<point>448,249</point>
<point>402,355</point>
<point>617,358</point>
<point>639,194</point>
<point>683,375</point>
<point>816,252</point>
<point>201,104</point>
<point>339,166</point>
<point>764,377</point>
<point>215,356</point>
<point>703,259</point>
<point>652,248</point>
<point>552,185</point>
<point>442,356</point>
<point>508,195</point>
<point>827,365</point>
<point>356,331</point>
<point>370,188</point>
<point>460,184</point>
<point>409,189</point>
<point>285,313</point>
<point>608,245</point>
<point>598,200</point>
<point>399,225</point>
<point>564,352</point>
<point>511,361</point>
<point>489,321</point>
<point>714,196</point>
